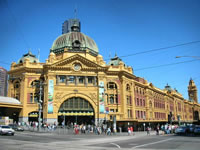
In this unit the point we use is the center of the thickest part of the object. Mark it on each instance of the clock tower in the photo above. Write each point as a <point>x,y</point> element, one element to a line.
<point>192,91</point>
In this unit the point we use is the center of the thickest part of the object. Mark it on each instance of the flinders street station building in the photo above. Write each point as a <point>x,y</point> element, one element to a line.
<point>76,85</point>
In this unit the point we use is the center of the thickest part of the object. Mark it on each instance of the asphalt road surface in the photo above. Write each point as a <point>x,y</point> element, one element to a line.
<point>49,141</point>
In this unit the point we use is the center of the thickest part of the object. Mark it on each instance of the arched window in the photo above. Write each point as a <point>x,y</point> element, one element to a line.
<point>143,102</point>
<point>16,85</point>
<point>16,90</point>
<point>150,104</point>
<point>127,87</point>
<point>140,102</point>
<point>76,104</point>
<point>35,83</point>
<point>76,44</point>
<point>136,90</point>
<point>111,85</point>
<point>35,93</point>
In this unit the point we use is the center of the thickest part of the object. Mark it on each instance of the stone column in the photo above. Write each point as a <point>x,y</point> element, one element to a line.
<point>86,80</point>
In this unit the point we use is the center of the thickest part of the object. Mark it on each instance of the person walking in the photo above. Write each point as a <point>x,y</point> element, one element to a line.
<point>129,131</point>
<point>131,128</point>
<point>157,130</point>
<point>108,131</point>
<point>148,130</point>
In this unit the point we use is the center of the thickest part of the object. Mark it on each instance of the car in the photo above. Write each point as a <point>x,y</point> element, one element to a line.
<point>197,130</point>
<point>182,130</point>
<point>16,127</point>
<point>6,130</point>
<point>191,128</point>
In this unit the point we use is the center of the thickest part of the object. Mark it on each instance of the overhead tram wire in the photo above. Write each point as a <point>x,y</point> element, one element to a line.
<point>164,65</point>
<point>159,49</point>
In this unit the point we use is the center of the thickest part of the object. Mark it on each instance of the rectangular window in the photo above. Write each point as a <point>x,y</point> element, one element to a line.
<point>136,114</point>
<point>131,113</point>
<point>62,79</point>
<point>128,100</point>
<point>31,98</point>
<point>71,79</point>
<point>138,103</point>
<point>36,98</point>
<point>90,80</point>
<point>128,113</point>
<point>81,79</point>
<point>111,110</point>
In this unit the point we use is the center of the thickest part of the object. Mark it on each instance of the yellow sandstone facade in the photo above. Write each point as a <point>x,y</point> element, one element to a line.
<point>78,86</point>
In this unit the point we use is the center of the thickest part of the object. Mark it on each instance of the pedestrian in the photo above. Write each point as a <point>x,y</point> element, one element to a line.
<point>108,131</point>
<point>157,130</point>
<point>63,124</point>
<point>129,131</point>
<point>148,130</point>
<point>131,128</point>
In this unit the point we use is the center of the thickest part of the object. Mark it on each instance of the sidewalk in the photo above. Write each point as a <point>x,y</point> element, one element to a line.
<point>64,131</point>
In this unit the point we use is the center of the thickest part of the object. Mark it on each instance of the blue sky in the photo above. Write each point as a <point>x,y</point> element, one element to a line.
<point>117,26</point>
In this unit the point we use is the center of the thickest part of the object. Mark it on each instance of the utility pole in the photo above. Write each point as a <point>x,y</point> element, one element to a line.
<point>40,107</point>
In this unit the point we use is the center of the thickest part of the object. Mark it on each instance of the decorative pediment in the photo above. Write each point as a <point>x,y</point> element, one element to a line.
<point>76,62</point>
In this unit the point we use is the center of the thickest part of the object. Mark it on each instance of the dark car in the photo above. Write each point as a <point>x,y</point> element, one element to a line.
<point>191,128</point>
<point>6,130</point>
<point>16,127</point>
<point>182,130</point>
<point>197,130</point>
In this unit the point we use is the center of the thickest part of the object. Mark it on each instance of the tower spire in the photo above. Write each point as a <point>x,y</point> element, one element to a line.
<point>75,12</point>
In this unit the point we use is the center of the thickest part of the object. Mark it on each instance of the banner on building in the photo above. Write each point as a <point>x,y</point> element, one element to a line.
<point>50,96</point>
<point>101,97</point>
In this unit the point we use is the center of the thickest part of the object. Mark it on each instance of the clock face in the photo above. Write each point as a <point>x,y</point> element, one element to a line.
<point>77,67</point>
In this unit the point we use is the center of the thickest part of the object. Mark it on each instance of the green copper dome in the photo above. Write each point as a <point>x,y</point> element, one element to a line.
<point>114,61</point>
<point>74,41</point>
<point>32,58</point>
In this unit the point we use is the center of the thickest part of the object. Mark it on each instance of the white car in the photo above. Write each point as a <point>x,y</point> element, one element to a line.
<point>6,130</point>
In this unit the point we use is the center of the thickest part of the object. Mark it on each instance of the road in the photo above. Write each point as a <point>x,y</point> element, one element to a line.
<point>49,141</point>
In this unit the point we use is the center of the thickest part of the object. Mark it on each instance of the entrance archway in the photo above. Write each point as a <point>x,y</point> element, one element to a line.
<point>76,110</point>
<point>33,116</point>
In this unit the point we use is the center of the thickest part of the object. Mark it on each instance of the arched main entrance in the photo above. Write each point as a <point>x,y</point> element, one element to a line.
<point>33,116</point>
<point>76,110</point>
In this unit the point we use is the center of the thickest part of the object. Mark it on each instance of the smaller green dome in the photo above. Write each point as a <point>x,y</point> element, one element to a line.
<point>32,58</point>
<point>115,61</point>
